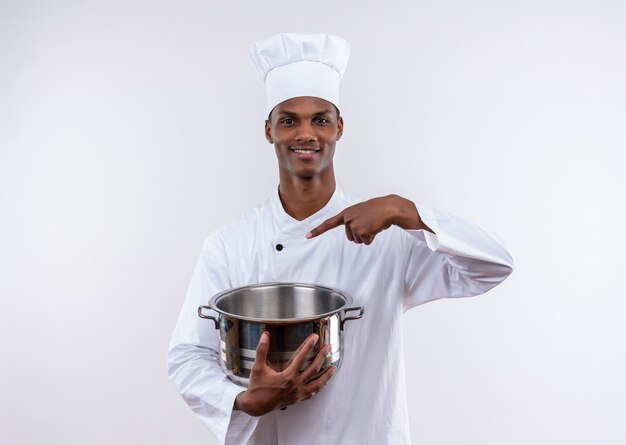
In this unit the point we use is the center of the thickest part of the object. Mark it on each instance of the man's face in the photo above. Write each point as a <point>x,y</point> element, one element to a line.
<point>304,131</point>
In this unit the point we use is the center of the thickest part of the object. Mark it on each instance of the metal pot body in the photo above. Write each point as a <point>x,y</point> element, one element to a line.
<point>290,312</point>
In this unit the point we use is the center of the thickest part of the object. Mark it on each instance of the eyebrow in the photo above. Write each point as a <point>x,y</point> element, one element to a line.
<point>292,113</point>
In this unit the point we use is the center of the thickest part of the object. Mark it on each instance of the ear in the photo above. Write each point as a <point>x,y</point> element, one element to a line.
<point>268,132</point>
<point>339,128</point>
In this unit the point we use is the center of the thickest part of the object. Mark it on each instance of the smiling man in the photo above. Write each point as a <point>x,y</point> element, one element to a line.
<point>304,131</point>
<point>389,255</point>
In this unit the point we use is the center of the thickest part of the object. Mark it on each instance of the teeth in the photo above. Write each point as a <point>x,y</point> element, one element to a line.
<point>298,150</point>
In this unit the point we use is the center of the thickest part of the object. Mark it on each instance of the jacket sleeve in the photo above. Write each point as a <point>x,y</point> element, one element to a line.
<point>193,356</point>
<point>461,259</point>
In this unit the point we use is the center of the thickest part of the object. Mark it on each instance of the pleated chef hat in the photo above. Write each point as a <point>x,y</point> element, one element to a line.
<point>295,65</point>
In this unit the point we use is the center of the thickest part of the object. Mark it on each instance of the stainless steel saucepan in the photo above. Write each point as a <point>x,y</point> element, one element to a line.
<point>290,312</point>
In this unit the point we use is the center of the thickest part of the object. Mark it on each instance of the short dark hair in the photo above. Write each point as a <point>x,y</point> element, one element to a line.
<point>269,116</point>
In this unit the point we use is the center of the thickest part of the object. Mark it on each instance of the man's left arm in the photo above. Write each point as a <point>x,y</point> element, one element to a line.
<point>446,256</point>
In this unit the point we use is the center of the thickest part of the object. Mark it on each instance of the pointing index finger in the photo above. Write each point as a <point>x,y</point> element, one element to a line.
<point>330,223</point>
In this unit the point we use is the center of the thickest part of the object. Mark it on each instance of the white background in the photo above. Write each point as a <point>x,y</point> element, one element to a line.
<point>130,130</point>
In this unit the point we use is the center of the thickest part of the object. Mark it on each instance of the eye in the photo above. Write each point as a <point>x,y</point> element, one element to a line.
<point>287,121</point>
<point>321,120</point>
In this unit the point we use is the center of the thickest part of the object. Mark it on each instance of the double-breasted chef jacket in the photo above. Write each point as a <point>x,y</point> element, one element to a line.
<point>365,401</point>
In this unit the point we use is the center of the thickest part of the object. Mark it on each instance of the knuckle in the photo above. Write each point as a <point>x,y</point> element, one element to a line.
<point>287,381</point>
<point>290,380</point>
<point>326,377</point>
<point>317,385</point>
<point>323,352</point>
<point>286,385</point>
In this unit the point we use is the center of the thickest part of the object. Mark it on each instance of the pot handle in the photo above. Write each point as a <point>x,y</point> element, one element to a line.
<point>361,310</point>
<point>210,317</point>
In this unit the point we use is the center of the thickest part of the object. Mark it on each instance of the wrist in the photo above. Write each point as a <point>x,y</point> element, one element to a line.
<point>243,403</point>
<point>404,213</point>
<point>406,216</point>
<point>240,402</point>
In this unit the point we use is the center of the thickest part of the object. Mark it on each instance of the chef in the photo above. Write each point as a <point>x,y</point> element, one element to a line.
<point>388,253</point>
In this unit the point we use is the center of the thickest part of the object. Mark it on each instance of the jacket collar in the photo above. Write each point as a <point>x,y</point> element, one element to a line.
<point>286,222</point>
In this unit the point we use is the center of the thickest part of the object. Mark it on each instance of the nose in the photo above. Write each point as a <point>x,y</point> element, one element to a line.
<point>306,133</point>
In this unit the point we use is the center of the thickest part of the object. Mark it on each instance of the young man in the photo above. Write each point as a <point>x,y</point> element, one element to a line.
<point>387,253</point>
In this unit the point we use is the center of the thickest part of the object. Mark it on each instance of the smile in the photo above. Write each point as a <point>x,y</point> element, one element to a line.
<point>305,150</point>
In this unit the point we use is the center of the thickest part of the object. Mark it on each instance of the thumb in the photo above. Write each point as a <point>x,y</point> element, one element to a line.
<point>262,348</point>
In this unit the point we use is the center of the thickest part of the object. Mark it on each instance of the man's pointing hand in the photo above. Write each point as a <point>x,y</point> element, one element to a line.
<point>365,220</point>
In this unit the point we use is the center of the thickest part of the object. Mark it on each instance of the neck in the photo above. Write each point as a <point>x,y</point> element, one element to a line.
<point>302,198</point>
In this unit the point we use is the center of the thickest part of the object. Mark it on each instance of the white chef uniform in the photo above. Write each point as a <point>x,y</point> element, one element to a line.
<point>364,402</point>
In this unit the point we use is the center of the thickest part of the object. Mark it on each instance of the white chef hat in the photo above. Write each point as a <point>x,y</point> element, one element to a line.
<point>295,65</point>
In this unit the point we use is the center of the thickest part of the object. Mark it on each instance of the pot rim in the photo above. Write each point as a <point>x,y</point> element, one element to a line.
<point>217,297</point>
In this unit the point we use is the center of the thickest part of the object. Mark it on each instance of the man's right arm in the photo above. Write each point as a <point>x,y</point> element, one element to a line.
<point>228,410</point>
<point>193,357</point>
